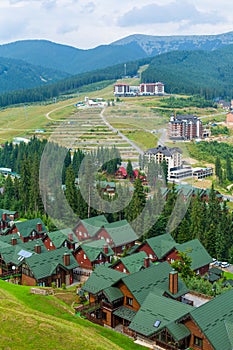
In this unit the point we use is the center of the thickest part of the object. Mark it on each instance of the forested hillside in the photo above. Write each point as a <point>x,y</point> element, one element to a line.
<point>18,75</point>
<point>209,74</point>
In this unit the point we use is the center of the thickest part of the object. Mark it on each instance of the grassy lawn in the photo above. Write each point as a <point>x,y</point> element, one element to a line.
<point>142,138</point>
<point>34,322</point>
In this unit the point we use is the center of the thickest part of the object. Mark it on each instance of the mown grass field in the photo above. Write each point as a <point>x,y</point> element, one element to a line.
<point>33,322</point>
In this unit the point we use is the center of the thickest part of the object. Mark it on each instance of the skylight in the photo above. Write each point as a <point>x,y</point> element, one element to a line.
<point>157,323</point>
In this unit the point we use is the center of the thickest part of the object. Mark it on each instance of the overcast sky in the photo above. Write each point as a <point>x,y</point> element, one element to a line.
<point>89,23</point>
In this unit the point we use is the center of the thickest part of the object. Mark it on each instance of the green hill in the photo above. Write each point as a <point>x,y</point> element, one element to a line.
<point>17,75</point>
<point>209,74</point>
<point>36,322</point>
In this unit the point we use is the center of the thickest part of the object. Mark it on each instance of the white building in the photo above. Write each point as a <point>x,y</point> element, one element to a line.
<point>172,156</point>
<point>151,89</point>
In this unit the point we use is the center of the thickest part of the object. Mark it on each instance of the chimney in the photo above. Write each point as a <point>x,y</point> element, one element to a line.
<point>37,248</point>
<point>105,249</point>
<point>146,262</point>
<point>4,217</point>
<point>173,282</point>
<point>66,259</point>
<point>70,236</point>
<point>13,240</point>
<point>39,227</point>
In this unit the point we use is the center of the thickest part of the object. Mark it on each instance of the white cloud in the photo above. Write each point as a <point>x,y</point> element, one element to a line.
<point>176,11</point>
<point>88,23</point>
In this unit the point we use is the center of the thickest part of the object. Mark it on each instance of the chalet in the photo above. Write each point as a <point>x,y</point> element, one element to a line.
<point>200,257</point>
<point>13,252</point>
<point>118,235</point>
<point>156,321</point>
<point>61,238</point>
<point>52,266</point>
<point>9,214</point>
<point>211,324</point>
<point>101,279</point>
<point>30,229</point>
<point>119,301</point>
<point>121,173</point>
<point>132,263</point>
<point>87,228</point>
<point>106,187</point>
<point>158,248</point>
<point>91,254</point>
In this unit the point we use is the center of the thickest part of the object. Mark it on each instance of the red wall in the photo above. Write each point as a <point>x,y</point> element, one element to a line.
<point>82,229</point>
<point>149,252</point>
<point>46,242</point>
<point>84,263</point>
<point>120,267</point>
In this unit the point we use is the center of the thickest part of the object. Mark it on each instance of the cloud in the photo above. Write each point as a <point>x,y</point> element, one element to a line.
<point>176,11</point>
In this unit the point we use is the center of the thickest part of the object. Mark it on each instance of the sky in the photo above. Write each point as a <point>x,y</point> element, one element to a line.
<point>89,23</point>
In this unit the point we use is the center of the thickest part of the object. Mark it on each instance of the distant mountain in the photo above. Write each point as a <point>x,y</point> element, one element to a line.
<point>31,63</point>
<point>67,58</point>
<point>155,45</point>
<point>74,61</point>
<point>18,75</point>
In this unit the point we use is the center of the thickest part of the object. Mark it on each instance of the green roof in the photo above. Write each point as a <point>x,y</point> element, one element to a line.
<point>161,244</point>
<point>178,330</point>
<point>104,184</point>
<point>101,278</point>
<point>121,232</point>
<point>59,237</point>
<point>94,248</point>
<point>154,278</point>
<point>212,277</point>
<point>216,271</point>
<point>26,227</point>
<point>195,250</point>
<point>113,293</point>
<point>12,254</point>
<point>161,309</point>
<point>44,265</point>
<point>125,313</point>
<point>215,320</point>
<point>93,224</point>
<point>134,262</point>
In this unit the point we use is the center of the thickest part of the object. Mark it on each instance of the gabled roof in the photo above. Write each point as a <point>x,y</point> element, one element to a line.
<point>134,262</point>
<point>153,279</point>
<point>92,225</point>
<point>125,313</point>
<point>13,254</point>
<point>94,248</point>
<point>59,237</point>
<point>113,293</point>
<point>101,278</point>
<point>165,311</point>
<point>26,227</point>
<point>121,232</point>
<point>161,245</point>
<point>195,250</point>
<point>44,265</point>
<point>215,320</point>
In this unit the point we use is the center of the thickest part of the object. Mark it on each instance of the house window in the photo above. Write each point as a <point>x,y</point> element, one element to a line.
<point>198,342</point>
<point>104,316</point>
<point>84,256</point>
<point>129,301</point>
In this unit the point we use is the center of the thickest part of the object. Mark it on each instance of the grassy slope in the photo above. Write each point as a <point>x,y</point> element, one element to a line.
<point>31,321</point>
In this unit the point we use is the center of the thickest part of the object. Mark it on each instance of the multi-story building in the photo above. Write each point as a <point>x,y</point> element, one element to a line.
<point>185,127</point>
<point>150,89</point>
<point>172,156</point>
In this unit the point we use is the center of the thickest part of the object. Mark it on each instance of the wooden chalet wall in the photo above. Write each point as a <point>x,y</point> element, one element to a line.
<point>120,267</point>
<point>83,260</point>
<point>28,281</point>
<point>149,252</point>
<point>195,331</point>
<point>127,294</point>
<point>48,244</point>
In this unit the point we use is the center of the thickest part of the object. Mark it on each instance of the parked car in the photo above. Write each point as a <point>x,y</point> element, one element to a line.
<point>225,264</point>
<point>217,263</point>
